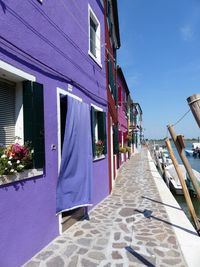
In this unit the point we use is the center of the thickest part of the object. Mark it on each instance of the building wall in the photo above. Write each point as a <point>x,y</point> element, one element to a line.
<point>112,109</point>
<point>122,99</point>
<point>49,41</point>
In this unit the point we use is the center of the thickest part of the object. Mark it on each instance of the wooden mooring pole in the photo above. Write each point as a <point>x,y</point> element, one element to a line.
<point>184,186</point>
<point>184,159</point>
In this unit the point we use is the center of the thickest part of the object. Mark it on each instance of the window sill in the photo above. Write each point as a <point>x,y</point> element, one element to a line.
<point>99,158</point>
<point>27,174</point>
<point>95,59</point>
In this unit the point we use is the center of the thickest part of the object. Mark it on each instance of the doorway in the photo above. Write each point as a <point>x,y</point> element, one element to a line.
<point>66,218</point>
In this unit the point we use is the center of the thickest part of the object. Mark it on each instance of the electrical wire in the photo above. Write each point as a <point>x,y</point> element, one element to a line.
<point>83,30</point>
<point>25,23</point>
<point>51,71</point>
<point>64,34</point>
<point>80,26</point>
<point>182,117</point>
<point>17,16</point>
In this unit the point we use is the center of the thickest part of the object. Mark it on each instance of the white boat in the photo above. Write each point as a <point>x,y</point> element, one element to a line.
<point>165,159</point>
<point>195,145</point>
<point>189,152</point>
<point>195,151</point>
<point>172,179</point>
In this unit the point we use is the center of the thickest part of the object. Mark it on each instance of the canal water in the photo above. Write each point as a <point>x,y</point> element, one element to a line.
<point>195,163</point>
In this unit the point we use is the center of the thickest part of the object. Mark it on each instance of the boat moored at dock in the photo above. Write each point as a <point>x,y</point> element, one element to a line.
<point>173,181</point>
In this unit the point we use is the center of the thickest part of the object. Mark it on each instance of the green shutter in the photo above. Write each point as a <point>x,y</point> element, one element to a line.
<point>111,79</point>
<point>34,120</point>
<point>133,140</point>
<point>115,139</point>
<point>131,116</point>
<point>27,109</point>
<point>100,125</point>
<point>110,75</point>
<point>93,131</point>
<point>108,8</point>
<point>116,95</point>
<point>105,135</point>
<point>102,130</point>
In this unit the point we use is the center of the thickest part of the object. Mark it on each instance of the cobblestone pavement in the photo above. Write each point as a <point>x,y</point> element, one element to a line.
<point>129,228</point>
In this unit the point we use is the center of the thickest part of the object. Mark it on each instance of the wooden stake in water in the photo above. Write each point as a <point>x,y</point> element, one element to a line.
<point>184,186</point>
<point>184,160</point>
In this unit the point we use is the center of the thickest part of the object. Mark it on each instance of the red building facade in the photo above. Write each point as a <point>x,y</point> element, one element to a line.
<point>112,43</point>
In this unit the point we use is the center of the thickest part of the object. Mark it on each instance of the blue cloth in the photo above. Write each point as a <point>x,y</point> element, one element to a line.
<point>74,181</point>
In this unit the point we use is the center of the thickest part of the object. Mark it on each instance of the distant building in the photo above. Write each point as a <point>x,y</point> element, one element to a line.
<point>123,109</point>
<point>136,124</point>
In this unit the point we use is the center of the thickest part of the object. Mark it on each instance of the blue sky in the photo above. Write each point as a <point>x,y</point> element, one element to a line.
<point>160,58</point>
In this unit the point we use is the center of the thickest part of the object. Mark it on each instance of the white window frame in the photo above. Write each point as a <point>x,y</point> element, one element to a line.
<point>96,58</point>
<point>11,73</point>
<point>19,118</point>
<point>96,125</point>
<point>97,109</point>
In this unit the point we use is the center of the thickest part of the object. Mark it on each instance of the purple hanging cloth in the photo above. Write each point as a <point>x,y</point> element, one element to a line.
<point>74,181</point>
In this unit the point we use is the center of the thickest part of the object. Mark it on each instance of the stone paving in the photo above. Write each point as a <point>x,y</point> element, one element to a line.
<point>129,228</point>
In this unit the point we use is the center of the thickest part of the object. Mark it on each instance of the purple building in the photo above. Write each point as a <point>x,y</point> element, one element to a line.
<point>51,68</point>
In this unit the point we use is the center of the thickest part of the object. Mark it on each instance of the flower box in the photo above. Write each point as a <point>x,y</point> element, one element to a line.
<point>16,163</point>
<point>26,174</point>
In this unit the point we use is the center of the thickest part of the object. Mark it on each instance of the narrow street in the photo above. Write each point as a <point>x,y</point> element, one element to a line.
<point>131,227</point>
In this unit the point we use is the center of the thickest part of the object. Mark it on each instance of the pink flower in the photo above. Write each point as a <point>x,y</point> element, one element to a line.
<point>99,143</point>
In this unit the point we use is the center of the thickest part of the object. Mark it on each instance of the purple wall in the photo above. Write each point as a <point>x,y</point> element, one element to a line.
<point>49,41</point>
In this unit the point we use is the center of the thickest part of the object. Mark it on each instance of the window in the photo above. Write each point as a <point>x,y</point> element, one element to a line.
<point>94,36</point>
<point>111,80</point>
<point>22,115</point>
<point>120,96</point>
<point>98,127</point>
<point>7,112</point>
<point>115,139</point>
<point>109,21</point>
<point>93,29</point>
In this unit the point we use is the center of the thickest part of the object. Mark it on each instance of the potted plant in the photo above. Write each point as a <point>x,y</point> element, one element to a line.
<point>15,158</point>
<point>99,148</point>
<point>129,139</point>
<point>128,149</point>
<point>122,149</point>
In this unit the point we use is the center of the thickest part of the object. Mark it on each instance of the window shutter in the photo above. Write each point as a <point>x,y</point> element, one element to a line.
<point>132,140</point>
<point>105,136</point>
<point>115,139</point>
<point>131,116</point>
<point>109,18</point>
<point>33,102</point>
<point>116,95</point>
<point>111,30</point>
<point>7,113</point>
<point>102,130</point>
<point>120,95</point>
<point>93,130</point>
<point>111,80</point>
<point>108,8</point>
<point>110,75</point>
